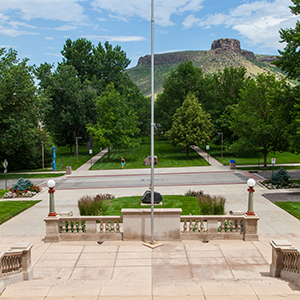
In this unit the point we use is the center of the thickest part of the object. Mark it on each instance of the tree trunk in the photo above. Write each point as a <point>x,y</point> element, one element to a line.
<point>108,154</point>
<point>187,150</point>
<point>265,159</point>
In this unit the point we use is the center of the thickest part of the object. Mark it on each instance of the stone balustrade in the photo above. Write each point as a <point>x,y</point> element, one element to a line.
<point>135,224</point>
<point>15,265</point>
<point>65,228</point>
<point>285,261</point>
<point>219,227</point>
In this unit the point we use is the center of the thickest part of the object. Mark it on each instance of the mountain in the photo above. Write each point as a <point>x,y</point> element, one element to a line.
<point>223,53</point>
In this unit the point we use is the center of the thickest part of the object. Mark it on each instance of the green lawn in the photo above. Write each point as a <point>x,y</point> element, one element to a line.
<point>189,205</point>
<point>291,207</point>
<point>9,209</point>
<point>281,157</point>
<point>168,156</point>
<point>26,175</point>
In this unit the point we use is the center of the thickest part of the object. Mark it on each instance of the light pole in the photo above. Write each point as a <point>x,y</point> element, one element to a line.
<point>221,143</point>
<point>251,183</point>
<point>51,185</point>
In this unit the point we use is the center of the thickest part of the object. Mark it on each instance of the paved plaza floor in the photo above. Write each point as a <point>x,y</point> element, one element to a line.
<point>217,270</point>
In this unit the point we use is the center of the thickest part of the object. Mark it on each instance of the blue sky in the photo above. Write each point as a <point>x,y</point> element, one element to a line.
<point>37,29</point>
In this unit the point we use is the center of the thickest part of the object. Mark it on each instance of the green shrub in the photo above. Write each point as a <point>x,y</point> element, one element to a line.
<point>281,178</point>
<point>211,205</point>
<point>23,185</point>
<point>94,205</point>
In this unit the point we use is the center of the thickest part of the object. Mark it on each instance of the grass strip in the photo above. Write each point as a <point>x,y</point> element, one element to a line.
<point>291,207</point>
<point>189,205</point>
<point>168,156</point>
<point>9,209</point>
<point>26,175</point>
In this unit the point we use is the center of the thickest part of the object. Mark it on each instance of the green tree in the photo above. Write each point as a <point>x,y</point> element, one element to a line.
<point>183,80</point>
<point>117,122</point>
<point>191,125</point>
<point>101,64</point>
<point>289,61</point>
<point>258,118</point>
<point>70,103</point>
<point>20,138</point>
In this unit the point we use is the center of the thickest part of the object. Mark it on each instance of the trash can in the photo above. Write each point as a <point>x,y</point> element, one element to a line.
<point>232,164</point>
<point>68,170</point>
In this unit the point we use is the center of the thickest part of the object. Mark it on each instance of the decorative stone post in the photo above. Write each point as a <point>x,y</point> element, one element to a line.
<point>51,185</point>
<point>251,184</point>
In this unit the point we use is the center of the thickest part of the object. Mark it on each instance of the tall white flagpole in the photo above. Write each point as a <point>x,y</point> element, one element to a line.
<point>152,122</point>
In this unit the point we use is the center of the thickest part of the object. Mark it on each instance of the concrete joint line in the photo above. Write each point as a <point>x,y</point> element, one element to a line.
<point>226,261</point>
<point>115,262</point>
<point>76,262</point>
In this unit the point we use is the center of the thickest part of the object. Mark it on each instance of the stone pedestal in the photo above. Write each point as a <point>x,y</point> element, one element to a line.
<point>137,224</point>
<point>250,228</point>
<point>52,234</point>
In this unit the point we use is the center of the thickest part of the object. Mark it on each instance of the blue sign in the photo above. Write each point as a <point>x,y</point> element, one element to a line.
<point>53,158</point>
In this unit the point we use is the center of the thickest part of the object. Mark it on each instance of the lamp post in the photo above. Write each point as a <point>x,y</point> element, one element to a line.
<point>51,185</point>
<point>251,183</point>
<point>221,143</point>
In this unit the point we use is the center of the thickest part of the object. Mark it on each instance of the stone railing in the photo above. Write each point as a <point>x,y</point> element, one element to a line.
<point>63,228</point>
<point>135,224</point>
<point>15,265</point>
<point>285,261</point>
<point>219,227</point>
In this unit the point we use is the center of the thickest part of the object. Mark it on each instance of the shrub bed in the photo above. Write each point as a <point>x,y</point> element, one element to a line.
<point>23,188</point>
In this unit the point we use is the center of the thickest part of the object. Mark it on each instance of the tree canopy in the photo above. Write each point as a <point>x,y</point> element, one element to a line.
<point>191,125</point>
<point>116,121</point>
<point>20,138</point>
<point>258,118</point>
<point>70,104</point>
<point>289,61</point>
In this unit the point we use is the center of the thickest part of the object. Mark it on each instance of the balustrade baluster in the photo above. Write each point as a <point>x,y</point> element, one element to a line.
<point>191,226</point>
<point>201,226</point>
<point>70,227</point>
<point>234,225</point>
<point>223,226</point>
<point>117,227</point>
<point>106,227</point>
<point>196,226</point>
<point>79,226</point>
<point>239,226</point>
<point>184,225</point>
<point>101,226</point>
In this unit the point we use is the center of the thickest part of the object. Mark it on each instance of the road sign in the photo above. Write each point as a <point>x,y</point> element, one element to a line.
<point>5,164</point>
<point>273,161</point>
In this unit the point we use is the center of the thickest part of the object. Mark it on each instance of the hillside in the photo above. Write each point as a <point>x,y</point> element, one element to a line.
<point>223,53</point>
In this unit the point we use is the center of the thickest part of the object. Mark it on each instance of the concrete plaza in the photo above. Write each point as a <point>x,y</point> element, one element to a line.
<point>129,270</point>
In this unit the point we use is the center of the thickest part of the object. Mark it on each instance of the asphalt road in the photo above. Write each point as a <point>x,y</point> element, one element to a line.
<point>137,180</point>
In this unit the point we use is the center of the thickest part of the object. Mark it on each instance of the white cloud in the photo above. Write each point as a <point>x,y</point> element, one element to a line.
<point>163,9</point>
<point>49,38</point>
<point>258,21</point>
<point>115,38</point>
<point>13,32</point>
<point>66,27</point>
<point>67,10</point>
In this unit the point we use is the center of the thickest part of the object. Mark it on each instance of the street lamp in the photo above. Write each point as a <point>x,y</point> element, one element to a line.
<point>221,143</point>
<point>51,185</point>
<point>251,183</point>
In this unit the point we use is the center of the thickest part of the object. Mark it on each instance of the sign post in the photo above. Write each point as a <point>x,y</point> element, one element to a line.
<point>5,164</point>
<point>273,164</point>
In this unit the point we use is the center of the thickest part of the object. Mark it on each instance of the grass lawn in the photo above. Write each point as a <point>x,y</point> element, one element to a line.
<point>189,205</point>
<point>281,157</point>
<point>2,192</point>
<point>168,156</point>
<point>291,207</point>
<point>9,209</point>
<point>255,168</point>
<point>26,175</point>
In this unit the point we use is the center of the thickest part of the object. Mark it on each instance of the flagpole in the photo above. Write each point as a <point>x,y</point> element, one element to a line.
<point>152,122</point>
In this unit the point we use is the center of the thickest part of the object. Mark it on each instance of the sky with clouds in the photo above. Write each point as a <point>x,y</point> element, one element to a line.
<point>38,29</point>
